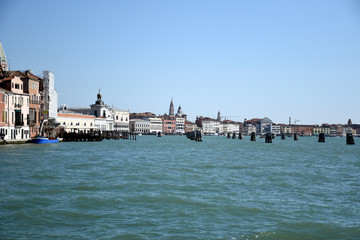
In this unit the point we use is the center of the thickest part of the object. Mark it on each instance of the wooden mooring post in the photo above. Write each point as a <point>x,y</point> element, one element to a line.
<point>253,137</point>
<point>350,139</point>
<point>283,136</point>
<point>234,136</point>
<point>194,135</point>
<point>240,136</point>
<point>296,137</point>
<point>321,137</point>
<point>268,138</point>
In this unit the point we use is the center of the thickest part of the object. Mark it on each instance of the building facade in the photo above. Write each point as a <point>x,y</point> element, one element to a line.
<point>15,110</point>
<point>76,122</point>
<point>140,126</point>
<point>50,96</point>
<point>156,125</point>
<point>121,119</point>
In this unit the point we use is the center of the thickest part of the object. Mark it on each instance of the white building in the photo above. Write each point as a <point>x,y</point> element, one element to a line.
<point>248,129</point>
<point>180,124</point>
<point>104,115</point>
<point>99,109</point>
<point>229,127</point>
<point>121,119</point>
<point>104,123</point>
<point>76,122</point>
<point>155,125</point>
<point>50,95</point>
<point>210,127</point>
<point>276,129</point>
<point>140,126</point>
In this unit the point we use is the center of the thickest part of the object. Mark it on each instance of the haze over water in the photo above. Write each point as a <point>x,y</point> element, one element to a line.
<point>174,188</point>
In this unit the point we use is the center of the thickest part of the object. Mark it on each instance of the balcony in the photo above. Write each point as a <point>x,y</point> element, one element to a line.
<point>18,105</point>
<point>19,124</point>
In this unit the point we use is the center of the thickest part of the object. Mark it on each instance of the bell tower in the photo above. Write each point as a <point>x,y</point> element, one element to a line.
<point>3,61</point>
<point>171,108</point>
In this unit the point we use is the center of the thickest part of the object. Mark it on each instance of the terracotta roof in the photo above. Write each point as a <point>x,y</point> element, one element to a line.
<point>75,115</point>
<point>15,73</point>
<point>32,76</point>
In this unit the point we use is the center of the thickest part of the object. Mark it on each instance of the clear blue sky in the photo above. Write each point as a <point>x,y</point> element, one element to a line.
<point>247,58</point>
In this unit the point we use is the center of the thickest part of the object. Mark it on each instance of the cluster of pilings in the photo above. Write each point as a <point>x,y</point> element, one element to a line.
<point>270,136</point>
<point>97,136</point>
<point>233,135</point>
<point>195,135</point>
<point>128,135</point>
<point>82,137</point>
<point>349,138</point>
<point>111,135</point>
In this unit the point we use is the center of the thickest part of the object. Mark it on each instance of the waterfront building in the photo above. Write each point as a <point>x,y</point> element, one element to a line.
<point>156,125</point>
<point>76,122</point>
<point>276,129</point>
<point>286,129</point>
<point>304,130</point>
<point>121,119</point>
<point>50,96</point>
<point>210,127</point>
<point>190,126</point>
<point>180,125</point>
<point>3,114</point>
<point>32,86</point>
<point>104,118</point>
<point>263,125</point>
<point>336,130</point>
<point>228,126</point>
<point>15,109</point>
<point>104,123</point>
<point>99,109</point>
<point>322,129</point>
<point>248,128</point>
<point>138,125</point>
<point>169,126</point>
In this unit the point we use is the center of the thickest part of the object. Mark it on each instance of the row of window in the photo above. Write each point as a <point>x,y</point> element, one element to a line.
<point>33,85</point>
<point>122,119</point>
<point>17,86</point>
<point>15,132</point>
<point>76,124</point>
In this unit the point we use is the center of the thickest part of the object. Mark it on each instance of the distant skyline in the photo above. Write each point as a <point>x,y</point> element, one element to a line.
<point>251,59</point>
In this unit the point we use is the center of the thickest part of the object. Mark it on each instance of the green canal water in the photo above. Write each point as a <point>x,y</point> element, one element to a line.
<point>174,188</point>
